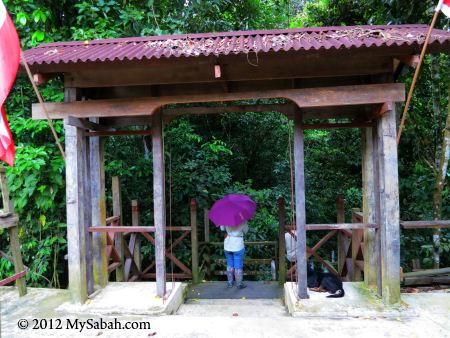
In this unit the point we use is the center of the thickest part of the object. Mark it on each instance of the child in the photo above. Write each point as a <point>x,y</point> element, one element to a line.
<point>234,252</point>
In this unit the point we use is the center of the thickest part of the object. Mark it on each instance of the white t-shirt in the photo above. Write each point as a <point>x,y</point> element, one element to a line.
<point>290,247</point>
<point>235,237</point>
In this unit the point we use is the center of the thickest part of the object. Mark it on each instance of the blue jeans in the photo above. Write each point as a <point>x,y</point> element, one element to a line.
<point>235,259</point>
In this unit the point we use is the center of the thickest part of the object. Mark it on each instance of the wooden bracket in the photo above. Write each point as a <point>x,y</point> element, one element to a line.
<point>86,124</point>
<point>385,107</point>
<point>409,60</point>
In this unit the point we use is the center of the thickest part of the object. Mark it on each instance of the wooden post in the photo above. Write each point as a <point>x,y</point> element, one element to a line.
<point>87,204</point>
<point>342,240</point>
<point>300,209</point>
<point>389,207</point>
<point>13,235</point>
<point>98,210</point>
<point>194,241</point>
<point>159,202</point>
<point>281,241</point>
<point>137,245</point>
<point>17,259</point>
<point>370,183</point>
<point>76,244</point>
<point>207,253</point>
<point>117,211</point>
<point>356,243</point>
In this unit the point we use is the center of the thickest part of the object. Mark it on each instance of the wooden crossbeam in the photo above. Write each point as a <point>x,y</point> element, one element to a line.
<point>13,278</point>
<point>303,98</point>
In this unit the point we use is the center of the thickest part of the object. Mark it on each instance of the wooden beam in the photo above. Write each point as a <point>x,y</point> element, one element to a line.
<point>341,226</point>
<point>117,211</point>
<point>76,243</point>
<point>304,98</point>
<point>85,124</point>
<point>122,229</point>
<point>135,223</point>
<point>271,66</point>
<point>300,208</point>
<point>118,133</point>
<point>380,110</point>
<point>337,125</point>
<point>425,224</point>
<point>389,207</point>
<point>281,241</point>
<point>98,209</point>
<point>159,203</point>
<point>410,60</point>
<point>87,204</point>
<point>371,249</point>
<point>194,242</point>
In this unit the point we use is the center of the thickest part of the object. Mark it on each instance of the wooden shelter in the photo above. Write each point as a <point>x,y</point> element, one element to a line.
<point>346,74</point>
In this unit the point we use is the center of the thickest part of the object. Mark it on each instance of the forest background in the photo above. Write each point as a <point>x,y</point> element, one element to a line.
<point>211,155</point>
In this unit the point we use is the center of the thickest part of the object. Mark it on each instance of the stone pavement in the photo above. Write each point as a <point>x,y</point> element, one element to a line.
<point>428,317</point>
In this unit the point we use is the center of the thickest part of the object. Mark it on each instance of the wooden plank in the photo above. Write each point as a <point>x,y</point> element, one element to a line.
<point>122,229</point>
<point>271,66</point>
<point>17,259</point>
<point>194,242</point>
<point>377,206</point>
<point>425,224</point>
<point>389,208</point>
<point>320,243</point>
<point>76,245</point>
<point>207,250</point>
<point>113,266</point>
<point>426,280</point>
<point>159,202</point>
<point>281,241</point>
<point>86,124</point>
<point>247,260</point>
<point>337,125</point>
<point>428,272</point>
<point>341,226</point>
<point>371,254</point>
<point>87,216</point>
<point>135,223</point>
<point>300,209</point>
<point>15,277</point>
<point>250,243</point>
<point>112,219</point>
<point>98,209</point>
<point>117,211</point>
<point>118,133</point>
<point>151,275</point>
<point>8,222</point>
<point>304,98</point>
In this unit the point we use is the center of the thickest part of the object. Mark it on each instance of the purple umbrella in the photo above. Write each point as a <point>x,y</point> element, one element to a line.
<point>232,210</point>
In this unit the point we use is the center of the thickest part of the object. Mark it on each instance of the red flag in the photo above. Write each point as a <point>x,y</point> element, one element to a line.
<point>444,6</point>
<point>9,64</point>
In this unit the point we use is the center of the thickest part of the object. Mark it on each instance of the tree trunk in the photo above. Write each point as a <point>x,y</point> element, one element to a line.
<point>441,173</point>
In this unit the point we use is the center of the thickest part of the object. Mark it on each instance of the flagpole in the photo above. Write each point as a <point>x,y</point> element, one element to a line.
<point>416,73</point>
<point>41,101</point>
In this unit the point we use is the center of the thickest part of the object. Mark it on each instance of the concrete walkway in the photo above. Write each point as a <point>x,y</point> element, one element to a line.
<point>225,318</point>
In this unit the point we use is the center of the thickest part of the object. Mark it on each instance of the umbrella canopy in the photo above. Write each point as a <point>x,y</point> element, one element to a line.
<point>232,210</point>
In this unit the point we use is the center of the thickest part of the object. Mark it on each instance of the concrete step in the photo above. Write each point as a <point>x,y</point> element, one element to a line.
<point>248,308</point>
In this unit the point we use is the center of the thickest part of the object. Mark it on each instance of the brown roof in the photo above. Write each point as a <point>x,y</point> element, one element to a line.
<point>191,45</point>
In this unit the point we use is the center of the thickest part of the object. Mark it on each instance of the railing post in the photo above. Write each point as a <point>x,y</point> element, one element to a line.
<point>343,241</point>
<point>356,243</point>
<point>194,241</point>
<point>117,211</point>
<point>207,248</point>
<point>137,245</point>
<point>281,241</point>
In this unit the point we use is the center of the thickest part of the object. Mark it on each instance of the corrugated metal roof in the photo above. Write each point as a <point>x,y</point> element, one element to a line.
<point>191,45</point>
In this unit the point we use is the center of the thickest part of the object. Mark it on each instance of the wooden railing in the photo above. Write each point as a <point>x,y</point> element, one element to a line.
<point>123,249</point>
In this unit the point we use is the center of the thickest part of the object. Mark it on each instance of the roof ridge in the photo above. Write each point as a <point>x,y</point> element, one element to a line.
<point>220,34</point>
